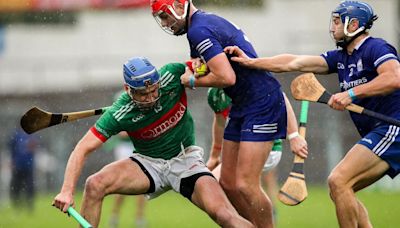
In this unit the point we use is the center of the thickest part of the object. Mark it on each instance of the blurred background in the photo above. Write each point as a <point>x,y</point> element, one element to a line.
<point>67,55</point>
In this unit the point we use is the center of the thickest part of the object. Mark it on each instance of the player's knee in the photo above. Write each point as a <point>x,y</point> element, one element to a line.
<point>246,188</point>
<point>336,184</point>
<point>94,186</point>
<point>227,186</point>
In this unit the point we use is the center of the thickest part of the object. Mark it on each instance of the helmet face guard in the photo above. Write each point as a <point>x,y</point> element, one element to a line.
<point>164,12</point>
<point>152,97</point>
<point>141,77</point>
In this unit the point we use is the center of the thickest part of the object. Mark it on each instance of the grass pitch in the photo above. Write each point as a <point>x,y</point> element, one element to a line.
<point>172,210</point>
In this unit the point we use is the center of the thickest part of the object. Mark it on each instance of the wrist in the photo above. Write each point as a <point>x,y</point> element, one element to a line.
<point>293,135</point>
<point>191,81</point>
<point>351,94</point>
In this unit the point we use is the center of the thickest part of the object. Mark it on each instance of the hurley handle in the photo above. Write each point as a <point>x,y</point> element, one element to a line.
<point>79,218</point>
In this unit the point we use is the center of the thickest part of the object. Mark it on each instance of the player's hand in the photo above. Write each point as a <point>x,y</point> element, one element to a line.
<point>339,101</point>
<point>298,145</point>
<point>63,201</point>
<point>212,163</point>
<point>239,55</point>
<point>185,77</point>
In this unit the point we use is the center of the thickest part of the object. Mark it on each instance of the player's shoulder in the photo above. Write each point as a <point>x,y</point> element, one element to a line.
<point>171,68</point>
<point>122,101</point>
<point>203,23</point>
<point>373,42</point>
<point>378,46</point>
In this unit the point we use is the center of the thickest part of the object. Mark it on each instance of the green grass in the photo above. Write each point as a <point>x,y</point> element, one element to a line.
<point>172,210</point>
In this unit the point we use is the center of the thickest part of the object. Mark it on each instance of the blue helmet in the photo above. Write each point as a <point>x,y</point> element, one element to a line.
<point>139,73</point>
<point>348,10</point>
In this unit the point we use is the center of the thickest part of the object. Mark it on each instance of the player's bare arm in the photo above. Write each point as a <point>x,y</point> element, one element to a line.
<point>298,144</point>
<point>85,146</point>
<point>280,63</point>
<point>217,135</point>
<point>387,81</point>
<point>221,74</point>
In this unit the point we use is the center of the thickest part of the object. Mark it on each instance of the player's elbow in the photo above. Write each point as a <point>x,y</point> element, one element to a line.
<point>397,79</point>
<point>230,81</point>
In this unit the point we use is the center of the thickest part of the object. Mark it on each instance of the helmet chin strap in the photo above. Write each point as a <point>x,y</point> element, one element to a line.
<point>184,16</point>
<point>349,37</point>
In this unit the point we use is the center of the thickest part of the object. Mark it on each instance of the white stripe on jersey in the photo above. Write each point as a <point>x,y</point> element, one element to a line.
<point>382,58</point>
<point>123,110</point>
<point>386,141</point>
<point>166,79</point>
<point>201,43</point>
<point>204,45</point>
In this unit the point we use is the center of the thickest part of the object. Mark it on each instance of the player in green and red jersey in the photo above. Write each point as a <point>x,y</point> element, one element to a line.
<point>153,112</point>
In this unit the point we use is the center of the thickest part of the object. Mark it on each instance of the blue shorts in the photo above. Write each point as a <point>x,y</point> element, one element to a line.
<point>384,141</point>
<point>261,121</point>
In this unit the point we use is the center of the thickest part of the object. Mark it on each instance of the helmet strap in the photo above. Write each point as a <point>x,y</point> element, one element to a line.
<point>346,41</point>
<point>184,16</point>
<point>346,24</point>
<point>349,37</point>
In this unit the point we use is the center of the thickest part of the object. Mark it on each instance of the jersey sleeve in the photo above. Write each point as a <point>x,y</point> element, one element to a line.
<point>204,42</point>
<point>218,101</point>
<point>379,54</point>
<point>106,126</point>
<point>171,74</point>
<point>331,58</point>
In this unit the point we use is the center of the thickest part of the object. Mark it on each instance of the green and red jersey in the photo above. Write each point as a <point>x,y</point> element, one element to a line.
<point>220,103</point>
<point>161,132</point>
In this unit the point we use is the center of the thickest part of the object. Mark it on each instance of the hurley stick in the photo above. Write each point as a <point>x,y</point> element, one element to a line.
<point>294,190</point>
<point>306,87</point>
<point>81,220</point>
<point>36,119</point>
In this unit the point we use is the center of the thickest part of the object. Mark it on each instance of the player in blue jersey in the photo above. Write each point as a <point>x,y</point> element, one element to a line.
<point>369,75</point>
<point>258,113</point>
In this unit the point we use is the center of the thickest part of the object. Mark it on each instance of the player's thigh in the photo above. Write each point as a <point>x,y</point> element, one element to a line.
<point>251,159</point>
<point>123,177</point>
<point>359,168</point>
<point>208,194</point>
<point>230,150</point>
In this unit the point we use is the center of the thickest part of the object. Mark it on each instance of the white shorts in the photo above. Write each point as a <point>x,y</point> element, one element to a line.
<point>123,150</point>
<point>272,161</point>
<point>167,174</point>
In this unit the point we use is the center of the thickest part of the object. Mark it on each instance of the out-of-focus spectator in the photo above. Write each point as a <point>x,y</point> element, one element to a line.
<point>22,148</point>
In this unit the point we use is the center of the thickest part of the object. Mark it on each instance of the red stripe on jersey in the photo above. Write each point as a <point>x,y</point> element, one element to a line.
<point>166,122</point>
<point>98,134</point>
